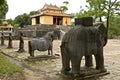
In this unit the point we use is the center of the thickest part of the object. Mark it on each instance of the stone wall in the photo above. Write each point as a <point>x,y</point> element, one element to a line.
<point>40,30</point>
<point>35,30</point>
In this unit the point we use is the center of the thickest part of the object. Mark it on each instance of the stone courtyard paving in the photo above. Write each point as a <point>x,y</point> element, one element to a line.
<point>49,69</point>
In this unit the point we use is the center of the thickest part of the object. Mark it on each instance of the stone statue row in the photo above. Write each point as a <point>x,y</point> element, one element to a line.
<point>21,44</point>
<point>83,40</point>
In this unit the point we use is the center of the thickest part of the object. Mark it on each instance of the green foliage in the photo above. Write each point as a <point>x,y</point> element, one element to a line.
<point>7,67</point>
<point>3,8</point>
<point>10,21</point>
<point>64,7</point>
<point>34,12</point>
<point>2,2</point>
<point>0,22</point>
<point>100,9</point>
<point>22,20</point>
<point>114,31</point>
<point>114,28</point>
<point>112,7</point>
<point>16,25</point>
<point>81,13</point>
<point>96,9</point>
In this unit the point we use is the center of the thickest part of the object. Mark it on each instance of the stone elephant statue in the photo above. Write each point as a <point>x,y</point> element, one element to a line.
<point>83,41</point>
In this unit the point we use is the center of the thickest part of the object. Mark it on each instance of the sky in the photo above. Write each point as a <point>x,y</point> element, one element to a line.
<point>18,7</point>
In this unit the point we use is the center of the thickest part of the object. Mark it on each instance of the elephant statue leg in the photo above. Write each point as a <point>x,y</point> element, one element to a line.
<point>88,61</point>
<point>65,61</point>
<point>100,61</point>
<point>76,62</point>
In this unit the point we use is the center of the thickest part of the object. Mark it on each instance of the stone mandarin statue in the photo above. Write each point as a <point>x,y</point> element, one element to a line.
<point>21,44</point>
<point>10,41</point>
<point>2,39</point>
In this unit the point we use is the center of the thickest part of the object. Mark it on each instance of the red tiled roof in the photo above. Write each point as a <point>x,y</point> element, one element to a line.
<point>50,7</point>
<point>53,14</point>
<point>57,14</point>
<point>50,12</point>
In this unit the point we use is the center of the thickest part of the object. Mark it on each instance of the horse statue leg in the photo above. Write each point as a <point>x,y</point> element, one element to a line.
<point>50,49</point>
<point>48,52</point>
<point>31,52</point>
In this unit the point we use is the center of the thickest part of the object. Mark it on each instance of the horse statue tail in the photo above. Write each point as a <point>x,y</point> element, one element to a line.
<point>29,47</point>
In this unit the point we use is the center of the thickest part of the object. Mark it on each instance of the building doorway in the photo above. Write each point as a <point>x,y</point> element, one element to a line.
<point>57,20</point>
<point>37,20</point>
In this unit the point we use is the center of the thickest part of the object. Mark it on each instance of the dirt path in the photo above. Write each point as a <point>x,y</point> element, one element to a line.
<point>49,69</point>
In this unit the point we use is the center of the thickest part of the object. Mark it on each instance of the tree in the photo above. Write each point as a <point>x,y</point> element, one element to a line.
<point>96,9</point>
<point>22,20</point>
<point>2,2</point>
<point>81,13</point>
<point>105,8</point>
<point>64,7</point>
<point>10,21</point>
<point>34,12</point>
<point>3,8</point>
<point>99,9</point>
<point>114,28</point>
<point>112,8</point>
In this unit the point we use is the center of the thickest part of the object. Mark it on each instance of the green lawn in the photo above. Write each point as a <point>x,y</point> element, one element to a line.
<point>6,67</point>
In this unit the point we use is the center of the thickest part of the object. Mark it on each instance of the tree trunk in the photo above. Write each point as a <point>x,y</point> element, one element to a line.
<point>107,26</point>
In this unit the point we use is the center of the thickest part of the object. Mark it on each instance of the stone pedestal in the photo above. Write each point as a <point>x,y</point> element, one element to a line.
<point>85,21</point>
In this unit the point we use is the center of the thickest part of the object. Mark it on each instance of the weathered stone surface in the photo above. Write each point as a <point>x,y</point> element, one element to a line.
<point>83,41</point>
<point>85,21</point>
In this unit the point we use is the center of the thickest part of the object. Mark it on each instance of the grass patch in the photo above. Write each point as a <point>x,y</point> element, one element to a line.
<point>6,67</point>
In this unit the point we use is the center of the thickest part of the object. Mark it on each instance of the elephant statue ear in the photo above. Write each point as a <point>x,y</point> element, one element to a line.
<point>102,31</point>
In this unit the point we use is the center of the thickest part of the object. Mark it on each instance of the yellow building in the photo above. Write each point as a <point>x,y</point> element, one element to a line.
<point>5,27</point>
<point>51,14</point>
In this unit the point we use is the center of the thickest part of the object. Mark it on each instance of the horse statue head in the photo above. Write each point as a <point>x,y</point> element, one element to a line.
<point>50,35</point>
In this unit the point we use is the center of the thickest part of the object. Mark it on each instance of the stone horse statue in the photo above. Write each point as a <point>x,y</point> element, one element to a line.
<point>41,44</point>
